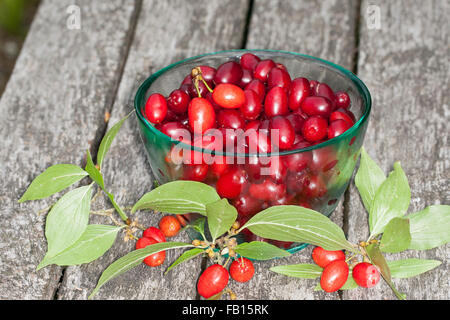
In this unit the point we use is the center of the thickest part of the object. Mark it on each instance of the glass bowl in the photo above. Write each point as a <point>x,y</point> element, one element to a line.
<point>315,177</point>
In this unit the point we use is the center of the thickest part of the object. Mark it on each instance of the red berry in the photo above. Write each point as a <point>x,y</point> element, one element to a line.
<point>257,86</point>
<point>208,74</point>
<point>342,100</point>
<point>334,276</point>
<point>317,106</point>
<point>298,161</point>
<point>286,133</point>
<point>279,78</point>
<point>212,281</point>
<point>249,61</point>
<point>252,107</point>
<point>229,72</point>
<point>178,101</point>
<point>155,234</point>
<point>231,183</point>
<point>276,103</point>
<point>228,96</point>
<point>155,259</point>
<point>314,187</point>
<point>324,257</point>
<point>341,114</point>
<point>201,115</point>
<point>246,205</point>
<point>175,130</point>
<point>230,118</point>
<point>262,69</point>
<point>324,90</point>
<point>300,89</point>
<point>169,225</point>
<point>195,172</point>
<point>337,128</point>
<point>156,108</point>
<point>267,190</point>
<point>366,275</point>
<point>247,77</point>
<point>315,129</point>
<point>242,270</point>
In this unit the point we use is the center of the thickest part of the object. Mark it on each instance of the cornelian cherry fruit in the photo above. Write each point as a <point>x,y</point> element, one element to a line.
<point>366,275</point>
<point>228,72</point>
<point>249,61</point>
<point>231,183</point>
<point>315,129</point>
<point>201,115</point>
<point>276,102</point>
<point>156,108</point>
<point>212,281</point>
<point>155,259</point>
<point>242,270</point>
<point>334,276</point>
<point>228,96</point>
<point>155,234</point>
<point>169,225</point>
<point>324,257</point>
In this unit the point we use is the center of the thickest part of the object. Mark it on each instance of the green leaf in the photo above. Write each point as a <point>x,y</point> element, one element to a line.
<point>132,260</point>
<point>430,227</point>
<point>298,224</point>
<point>396,236</point>
<point>260,250</point>
<point>94,173</point>
<point>67,220</point>
<point>221,216</point>
<point>55,179</point>
<point>179,197</point>
<point>378,260</point>
<point>348,285</point>
<point>108,139</point>
<point>305,271</point>
<point>368,179</point>
<point>92,244</point>
<point>198,225</point>
<point>391,200</point>
<point>187,255</point>
<point>408,268</point>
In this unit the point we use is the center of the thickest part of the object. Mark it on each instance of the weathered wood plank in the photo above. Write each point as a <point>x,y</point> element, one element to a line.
<point>323,29</point>
<point>51,111</point>
<point>405,66</point>
<point>167,31</point>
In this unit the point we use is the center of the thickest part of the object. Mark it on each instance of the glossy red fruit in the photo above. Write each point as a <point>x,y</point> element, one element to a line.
<point>338,127</point>
<point>252,107</point>
<point>285,130</point>
<point>296,121</point>
<point>231,183</point>
<point>229,72</point>
<point>212,281</point>
<point>262,69</point>
<point>175,130</point>
<point>314,187</point>
<point>324,257</point>
<point>230,118</point>
<point>366,275</point>
<point>228,96</point>
<point>278,77</point>
<point>155,234</point>
<point>219,166</point>
<point>300,89</point>
<point>257,86</point>
<point>155,259</point>
<point>342,100</point>
<point>178,101</point>
<point>247,205</point>
<point>341,114</point>
<point>195,172</point>
<point>267,190</point>
<point>201,115</point>
<point>296,181</point>
<point>170,226</point>
<point>242,270</point>
<point>276,103</point>
<point>324,90</point>
<point>298,161</point>
<point>156,108</point>
<point>247,77</point>
<point>315,129</point>
<point>259,141</point>
<point>317,106</point>
<point>334,276</point>
<point>208,74</point>
<point>249,61</point>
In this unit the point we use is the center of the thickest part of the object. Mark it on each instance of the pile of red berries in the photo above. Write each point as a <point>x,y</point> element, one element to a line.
<point>336,270</point>
<point>259,95</point>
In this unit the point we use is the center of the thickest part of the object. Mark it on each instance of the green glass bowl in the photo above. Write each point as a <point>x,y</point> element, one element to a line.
<point>333,161</point>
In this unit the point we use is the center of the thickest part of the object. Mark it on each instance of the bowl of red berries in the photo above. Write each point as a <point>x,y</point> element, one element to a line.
<point>263,127</point>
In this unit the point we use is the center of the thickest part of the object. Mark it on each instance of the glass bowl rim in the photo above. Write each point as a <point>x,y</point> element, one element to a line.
<point>362,89</point>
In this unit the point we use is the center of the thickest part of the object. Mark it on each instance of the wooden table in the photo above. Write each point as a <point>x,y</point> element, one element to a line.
<point>66,79</point>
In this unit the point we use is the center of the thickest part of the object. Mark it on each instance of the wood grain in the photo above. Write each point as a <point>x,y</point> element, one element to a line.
<point>405,65</point>
<point>323,29</point>
<point>204,27</point>
<point>51,112</point>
